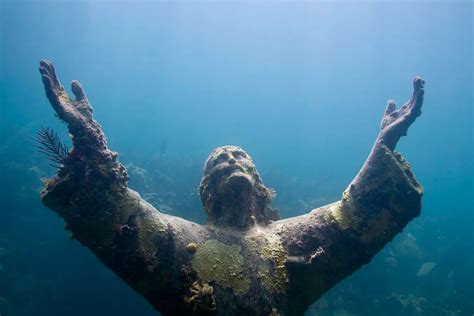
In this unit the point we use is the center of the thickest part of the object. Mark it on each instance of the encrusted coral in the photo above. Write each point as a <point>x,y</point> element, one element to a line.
<point>201,298</point>
<point>191,247</point>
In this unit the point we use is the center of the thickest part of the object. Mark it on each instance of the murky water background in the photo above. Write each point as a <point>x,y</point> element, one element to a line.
<point>300,86</point>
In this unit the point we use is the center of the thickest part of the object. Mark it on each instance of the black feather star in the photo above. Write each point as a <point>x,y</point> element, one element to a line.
<point>49,143</point>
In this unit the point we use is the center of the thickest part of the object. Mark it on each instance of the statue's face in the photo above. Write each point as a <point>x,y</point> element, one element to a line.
<point>232,169</point>
<point>231,190</point>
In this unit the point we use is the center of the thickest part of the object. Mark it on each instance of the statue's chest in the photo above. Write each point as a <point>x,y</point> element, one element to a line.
<point>247,272</point>
<point>267,261</point>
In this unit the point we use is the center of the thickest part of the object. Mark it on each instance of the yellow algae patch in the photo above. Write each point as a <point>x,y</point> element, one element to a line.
<point>341,215</point>
<point>215,261</point>
<point>265,276</point>
<point>343,212</point>
<point>63,96</point>
<point>273,274</point>
<point>275,252</point>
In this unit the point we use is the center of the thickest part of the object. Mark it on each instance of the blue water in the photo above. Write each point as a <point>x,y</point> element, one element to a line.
<point>300,86</point>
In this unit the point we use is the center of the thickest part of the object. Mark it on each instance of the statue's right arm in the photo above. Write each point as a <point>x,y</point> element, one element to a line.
<point>331,242</point>
<point>143,246</point>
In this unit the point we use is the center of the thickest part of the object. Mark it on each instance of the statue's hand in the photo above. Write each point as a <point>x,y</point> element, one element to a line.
<point>73,112</point>
<point>86,133</point>
<point>395,123</point>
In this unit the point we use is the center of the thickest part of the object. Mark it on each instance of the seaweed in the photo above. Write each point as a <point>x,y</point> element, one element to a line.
<point>49,143</point>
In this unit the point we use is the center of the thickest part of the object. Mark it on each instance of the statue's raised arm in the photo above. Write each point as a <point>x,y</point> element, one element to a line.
<point>331,242</point>
<point>143,246</point>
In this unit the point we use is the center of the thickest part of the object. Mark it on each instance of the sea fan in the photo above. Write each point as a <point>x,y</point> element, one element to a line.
<point>48,143</point>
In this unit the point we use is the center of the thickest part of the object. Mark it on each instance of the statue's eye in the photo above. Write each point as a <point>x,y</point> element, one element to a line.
<point>222,157</point>
<point>238,154</point>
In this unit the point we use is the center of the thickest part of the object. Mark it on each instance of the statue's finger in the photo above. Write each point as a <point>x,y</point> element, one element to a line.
<point>53,73</point>
<point>418,83</point>
<point>49,87</point>
<point>46,76</point>
<point>53,97</point>
<point>47,68</point>
<point>418,95</point>
<point>391,106</point>
<point>44,64</point>
<point>78,91</point>
<point>46,81</point>
<point>44,71</point>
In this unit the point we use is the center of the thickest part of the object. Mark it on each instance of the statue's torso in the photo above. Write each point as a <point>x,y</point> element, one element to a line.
<point>246,270</point>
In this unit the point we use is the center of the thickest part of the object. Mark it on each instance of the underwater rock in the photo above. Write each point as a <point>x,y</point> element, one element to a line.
<point>391,261</point>
<point>425,269</point>
<point>408,247</point>
<point>410,304</point>
<point>138,176</point>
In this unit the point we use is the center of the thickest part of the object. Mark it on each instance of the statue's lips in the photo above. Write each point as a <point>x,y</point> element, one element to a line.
<point>238,180</point>
<point>236,174</point>
<point>235,169</point>
<point>234,177</point>
<point>228,170</point>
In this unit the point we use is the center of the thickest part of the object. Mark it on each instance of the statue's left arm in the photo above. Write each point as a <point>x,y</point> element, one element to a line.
<point>331,242</point>
<point>143,246</point>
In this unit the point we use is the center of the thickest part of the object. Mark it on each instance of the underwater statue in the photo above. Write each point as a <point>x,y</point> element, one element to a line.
<point>244,260</point>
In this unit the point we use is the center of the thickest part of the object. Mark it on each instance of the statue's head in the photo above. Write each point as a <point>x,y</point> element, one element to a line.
<point>232,192</point>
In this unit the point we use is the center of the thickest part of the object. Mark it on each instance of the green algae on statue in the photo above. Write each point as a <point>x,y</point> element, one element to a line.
<point>244,260</point>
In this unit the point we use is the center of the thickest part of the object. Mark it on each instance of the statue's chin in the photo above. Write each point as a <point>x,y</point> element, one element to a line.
<point>236,181</point>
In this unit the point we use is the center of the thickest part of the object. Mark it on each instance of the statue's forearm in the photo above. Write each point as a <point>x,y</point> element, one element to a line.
<point>384,196</point>
<point>381,200</point>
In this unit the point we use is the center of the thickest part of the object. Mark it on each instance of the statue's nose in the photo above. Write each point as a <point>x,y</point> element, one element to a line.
<point>232,161</point>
